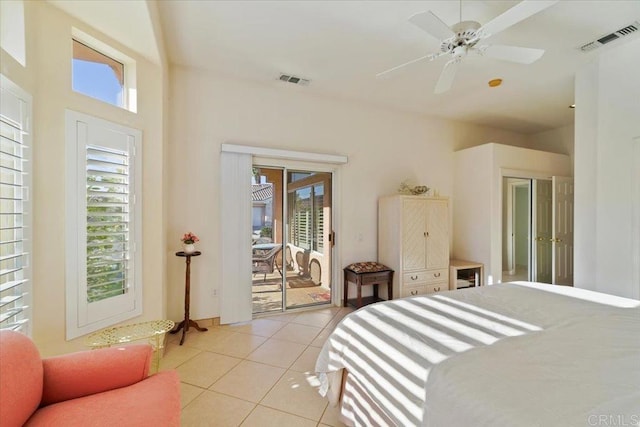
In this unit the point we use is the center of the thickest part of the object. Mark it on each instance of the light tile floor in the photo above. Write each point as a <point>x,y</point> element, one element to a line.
<point>259,373</point>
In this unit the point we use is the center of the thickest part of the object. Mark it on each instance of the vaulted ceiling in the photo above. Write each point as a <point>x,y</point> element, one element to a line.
<point>340,46</point>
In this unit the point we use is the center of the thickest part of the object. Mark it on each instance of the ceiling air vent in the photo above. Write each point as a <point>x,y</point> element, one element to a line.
<point>628,30</point>
<point>293,79</point>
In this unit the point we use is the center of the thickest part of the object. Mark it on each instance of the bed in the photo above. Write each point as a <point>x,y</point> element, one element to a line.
<point>514,354</point>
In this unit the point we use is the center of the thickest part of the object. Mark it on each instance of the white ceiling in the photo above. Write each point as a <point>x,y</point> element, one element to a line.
<point>341,45</point>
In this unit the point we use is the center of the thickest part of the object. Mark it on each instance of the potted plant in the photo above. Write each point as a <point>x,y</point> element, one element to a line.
<point>188,242</point>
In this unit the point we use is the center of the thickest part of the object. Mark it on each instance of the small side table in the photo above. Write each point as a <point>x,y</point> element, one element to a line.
<point>367,273</point>
<point>153,330</point>
<point>184,325</point>
<point>470,273</point>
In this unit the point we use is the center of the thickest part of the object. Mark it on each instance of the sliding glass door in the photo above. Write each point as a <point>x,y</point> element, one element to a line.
<point>292,238</point>
<point>308,238</point>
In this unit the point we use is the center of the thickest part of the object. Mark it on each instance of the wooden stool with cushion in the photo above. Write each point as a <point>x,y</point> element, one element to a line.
<point>367,273</point>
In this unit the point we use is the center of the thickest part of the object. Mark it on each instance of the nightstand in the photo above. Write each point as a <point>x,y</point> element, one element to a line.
<point>465,274</point>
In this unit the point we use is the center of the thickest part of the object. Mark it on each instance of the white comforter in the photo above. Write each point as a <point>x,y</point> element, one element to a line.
<point>520,354</point>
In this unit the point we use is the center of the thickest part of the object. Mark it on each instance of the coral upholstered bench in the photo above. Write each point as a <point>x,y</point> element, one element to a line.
<point>104,387</point>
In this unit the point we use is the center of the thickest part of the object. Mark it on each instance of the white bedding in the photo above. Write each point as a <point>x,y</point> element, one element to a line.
<point>519,354</point>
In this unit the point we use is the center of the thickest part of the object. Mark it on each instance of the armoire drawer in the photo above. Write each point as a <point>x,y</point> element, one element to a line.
<point>437,287</point>
<point>428,276</point>
<point>438,275</point>
<point>414,277</point>
<point>412,291</point>
<point>424,289</point>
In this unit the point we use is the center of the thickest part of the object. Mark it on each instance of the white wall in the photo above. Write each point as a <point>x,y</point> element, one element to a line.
<point>473,175</point>
<point>477,219</point>
<point>607,121</point>
<point>384,148</point>
<point>47,76</point>
<point>560,140</point>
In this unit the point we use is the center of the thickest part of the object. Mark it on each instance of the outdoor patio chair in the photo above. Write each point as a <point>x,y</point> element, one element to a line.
<point>301,258</point>
<point>264,263</point>
<point>288,258</point>
<point>315,272</point>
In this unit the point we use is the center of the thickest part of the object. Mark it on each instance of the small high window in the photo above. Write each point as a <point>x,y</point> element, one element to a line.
<point>98,75</point>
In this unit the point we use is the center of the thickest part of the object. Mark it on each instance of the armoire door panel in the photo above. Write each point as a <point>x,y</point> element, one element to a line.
<point>413,234</point>
<point>437,235</point>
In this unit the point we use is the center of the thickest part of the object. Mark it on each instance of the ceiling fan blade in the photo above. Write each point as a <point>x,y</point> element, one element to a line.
<point>397,67</point>
<point>432,25</point>
<point>517,13</point>
<point>446,77</point>
<point>521,55</point>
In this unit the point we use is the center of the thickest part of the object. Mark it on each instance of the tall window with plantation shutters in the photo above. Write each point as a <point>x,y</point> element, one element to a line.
<point>15,207</point>
<point>104,279</point>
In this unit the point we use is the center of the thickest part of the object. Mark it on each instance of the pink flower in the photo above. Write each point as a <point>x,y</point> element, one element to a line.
<point>189,238</point>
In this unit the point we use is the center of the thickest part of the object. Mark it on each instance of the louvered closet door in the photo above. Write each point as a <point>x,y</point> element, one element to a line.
<point>414,250</point>
<point>437,246</point>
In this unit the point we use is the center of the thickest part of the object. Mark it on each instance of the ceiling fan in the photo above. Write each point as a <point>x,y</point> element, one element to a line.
<point>462,38</point>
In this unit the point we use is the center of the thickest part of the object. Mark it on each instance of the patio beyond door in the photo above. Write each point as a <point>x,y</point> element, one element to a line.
<point>292,239</point>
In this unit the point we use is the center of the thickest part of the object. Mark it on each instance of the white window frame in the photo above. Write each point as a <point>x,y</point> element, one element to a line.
<point>17,114</point>
<point>130,98</point>
<point>82,316</point>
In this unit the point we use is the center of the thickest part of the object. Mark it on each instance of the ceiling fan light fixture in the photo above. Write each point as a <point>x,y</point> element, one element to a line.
<point>462,38</point>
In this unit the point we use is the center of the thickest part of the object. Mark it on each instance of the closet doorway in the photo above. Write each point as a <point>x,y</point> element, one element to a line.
<point>292,238</point>
<point>517,243</point>
<point>537,230</point>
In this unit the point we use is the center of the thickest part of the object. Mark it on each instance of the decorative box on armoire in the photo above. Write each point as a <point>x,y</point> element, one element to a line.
<point>413,240</point>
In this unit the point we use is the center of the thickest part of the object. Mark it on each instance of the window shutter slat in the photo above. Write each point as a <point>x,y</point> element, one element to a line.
<point>15,326</point>
<point>12,313</point>
<point>9,299</point>
<point>13,284</point>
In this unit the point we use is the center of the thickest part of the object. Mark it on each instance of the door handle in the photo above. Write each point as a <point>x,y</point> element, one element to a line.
<point>556,240</point>
<point>539,239</point>
<point>436,275</point>
<point>414,277</point>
